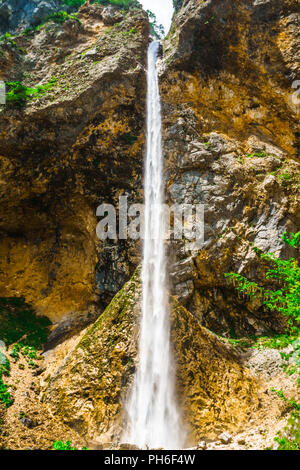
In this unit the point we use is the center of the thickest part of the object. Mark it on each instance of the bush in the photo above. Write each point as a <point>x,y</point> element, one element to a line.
<point>18,321</point>
<point>126,4</point>
<point>19,94</point>
<point>60,445</point>
<point>286,299</point>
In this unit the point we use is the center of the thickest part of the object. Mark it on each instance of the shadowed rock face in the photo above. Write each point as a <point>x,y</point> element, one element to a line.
<point>89,387</point>
<point>231,142</point>
<point>231,134</point>
<point>16,14</point>
<point>62,154</point>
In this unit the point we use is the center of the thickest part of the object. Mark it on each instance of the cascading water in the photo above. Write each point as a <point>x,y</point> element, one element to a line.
<point>153,418</point>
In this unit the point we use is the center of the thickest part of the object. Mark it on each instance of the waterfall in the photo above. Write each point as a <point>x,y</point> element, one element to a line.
<point>153,418</point>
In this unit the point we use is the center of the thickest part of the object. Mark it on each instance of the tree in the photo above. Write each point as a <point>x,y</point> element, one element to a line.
<point>156,30</point>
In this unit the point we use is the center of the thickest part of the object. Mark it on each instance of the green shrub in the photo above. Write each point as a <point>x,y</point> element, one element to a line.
<point>60,445</point>
<point>286,299</point>
<point>5,396</point>
<point>126,4</point>
<point>18,321</point>
<point>19,94</point>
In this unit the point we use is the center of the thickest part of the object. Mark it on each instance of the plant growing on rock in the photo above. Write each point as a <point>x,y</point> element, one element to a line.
<point>126,4</point>
<point>286,299</point>
<point>19,94</point>
<point>60,445</point>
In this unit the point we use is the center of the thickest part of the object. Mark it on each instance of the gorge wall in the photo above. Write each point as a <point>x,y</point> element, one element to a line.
<point>231,141</point>
<point>67,151</point>
<point>232,144</point>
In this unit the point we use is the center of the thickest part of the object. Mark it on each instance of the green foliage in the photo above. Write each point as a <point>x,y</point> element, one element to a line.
<point>286,299</point>
<point>129,138</point>
<point>18,320</point>
<point>5,396</point>
<point>125,4</point>
<point>290,402</point>
<point>18,93</point>
<point>156,30</point>
<point>60,445</point>
<point>60,17</point>
<point>258,155</point>
<point>289,437</point>
<point>7,37</point>
<point>74,3</point>
<point>4,365</point>
<point>264,342</point>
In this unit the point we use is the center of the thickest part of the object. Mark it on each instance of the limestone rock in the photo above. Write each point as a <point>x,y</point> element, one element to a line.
<point>219,80</point>
<point>61,157</point>
<point>89,387</point>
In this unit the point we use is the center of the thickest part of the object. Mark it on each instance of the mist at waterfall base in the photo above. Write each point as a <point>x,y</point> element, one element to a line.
<point>153,419</point>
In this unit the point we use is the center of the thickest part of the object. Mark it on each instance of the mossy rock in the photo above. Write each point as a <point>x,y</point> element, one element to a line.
<point>89,387</point>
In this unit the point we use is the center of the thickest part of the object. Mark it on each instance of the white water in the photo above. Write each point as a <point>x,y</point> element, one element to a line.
<point>153,418</point>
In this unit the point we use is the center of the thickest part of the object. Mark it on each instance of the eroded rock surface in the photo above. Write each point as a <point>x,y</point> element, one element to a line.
<point>89,387</point>
<point>232,144</point>
<point>71,148</point>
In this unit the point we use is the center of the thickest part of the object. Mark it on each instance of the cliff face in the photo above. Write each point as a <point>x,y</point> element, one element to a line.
<point>20,14</point>
<point>232,143</point>
<point>88,390</point>
<point>76,144</point>
<point>72,137</point>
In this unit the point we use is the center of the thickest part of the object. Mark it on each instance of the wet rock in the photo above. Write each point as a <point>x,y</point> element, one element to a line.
<point>97,162</point>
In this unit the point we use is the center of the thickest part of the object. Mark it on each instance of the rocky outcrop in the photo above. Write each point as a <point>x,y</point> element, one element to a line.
<point>232,143</point>
<point>89,387</point>
<point>20,14</point>
<point>76,143</point>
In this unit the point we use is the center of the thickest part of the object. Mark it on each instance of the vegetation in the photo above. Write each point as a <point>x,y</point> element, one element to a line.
<point>286,299</point>
<point>19,322</point>
<point>125,4</point>
<point>289,437</point>
<point>263,342</point>
<point>156,30</point>
<point>60,17</point>
<point>74,3</point>
<point>60,445</point>
<point>5,396</point>
<point>19,94</point>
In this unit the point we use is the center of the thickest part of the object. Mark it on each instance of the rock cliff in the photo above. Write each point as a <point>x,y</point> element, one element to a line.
<point>75,144</point>
<point>232,143</point>
<point>72,137</point>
